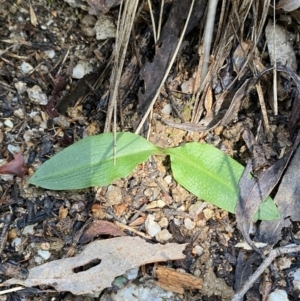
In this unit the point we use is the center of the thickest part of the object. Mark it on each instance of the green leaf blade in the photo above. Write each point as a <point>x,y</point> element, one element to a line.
<point>90,162</point>
<point>212,176</point>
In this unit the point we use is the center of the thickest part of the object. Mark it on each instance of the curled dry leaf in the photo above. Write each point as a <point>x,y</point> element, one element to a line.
<point>101,6</point>
<point>14,167</point>
<point>100,227</point>
<point>288,5</point>
<point>253,192</point>
<point>288,202</point>
<point>96,267</point>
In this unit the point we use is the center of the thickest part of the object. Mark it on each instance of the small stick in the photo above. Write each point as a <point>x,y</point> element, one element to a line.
<point>125,227</point>
<point>238,296</point>
<point>3,235</point>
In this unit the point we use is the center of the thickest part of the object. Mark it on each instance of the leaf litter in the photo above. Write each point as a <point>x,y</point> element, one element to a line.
<point>247,20</point>
<point>108,258</point>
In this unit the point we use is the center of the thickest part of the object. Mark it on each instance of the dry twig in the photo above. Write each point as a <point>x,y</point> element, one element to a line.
<point>238,296</point>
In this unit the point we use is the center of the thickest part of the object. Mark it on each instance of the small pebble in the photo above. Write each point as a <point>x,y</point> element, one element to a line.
<point>152,227</point>
<point>156,204</point>
<point>26,68</point>
<point>88,20</point>
<point>168,179</point>
<point>113,195</point>
<point>177,221</point>
<point>45,246</point>
<point>208,213</point>
<point>16,242</point>
<point>37,96</point>
<point>81,69</point>
<point>167,109</point>
<point>62,121</point>
<point>44,254</point>
<point>13,149</point>
<point>163,222</point>
<point>148,192</point>
<point>21,87</point>
<point>132,273</point>
<point>38,259</point>
<point>105,28</point>
<point>189,224</point>
<point>187,86</point>
<point>197,273</point>
<point>278,295</point>
<point>50,53</point>
<point>9,123</point>
<point>163,236</point>
<point>88,31</point>
<point>197,207</point>
<point>12,234</point>
<point>7,178</point>
<point>199,250</point>
<point>19,113</point>
<point>28,135</point>
<point>28,230</point>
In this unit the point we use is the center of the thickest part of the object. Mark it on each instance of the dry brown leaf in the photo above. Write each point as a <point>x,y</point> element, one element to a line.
<point>208,102</point>
<point>98,7</point>
<point>288,5</point>
<point>287,200</point>
<point>139,221</point>
<point>62,213</point>
<point>98,211</point>
<point>116,256</point>
<point>285,53</point>
<point>119,209</point>
<point>100,227</point>
<point>14,167</point>
<point>33,18</point>
<point>253,192</point>
<point>240,55</point>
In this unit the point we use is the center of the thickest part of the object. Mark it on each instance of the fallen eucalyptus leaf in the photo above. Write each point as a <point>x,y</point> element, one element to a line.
<point>110,258</point>
<point>253,192</point>
<point>212,176</point>
<point>90,162</point>
<point>288,201</point>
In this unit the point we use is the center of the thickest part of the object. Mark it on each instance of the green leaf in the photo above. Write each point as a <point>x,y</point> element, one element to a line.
<point>212,176</point>
<point>90,162</point>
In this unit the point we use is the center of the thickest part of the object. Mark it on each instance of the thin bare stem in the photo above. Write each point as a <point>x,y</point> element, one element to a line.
<point>209,28</point>
<point>275,104</point>
<point>238,296</point>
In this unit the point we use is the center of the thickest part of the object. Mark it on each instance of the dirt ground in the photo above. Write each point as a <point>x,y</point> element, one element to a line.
<point>55,77</point>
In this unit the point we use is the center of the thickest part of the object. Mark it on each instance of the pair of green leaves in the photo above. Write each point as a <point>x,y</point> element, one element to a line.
<point>201,168</point>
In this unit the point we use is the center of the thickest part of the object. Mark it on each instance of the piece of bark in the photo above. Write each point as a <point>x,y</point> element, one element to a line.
<point>174,281</point>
